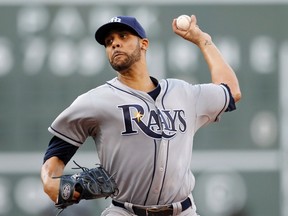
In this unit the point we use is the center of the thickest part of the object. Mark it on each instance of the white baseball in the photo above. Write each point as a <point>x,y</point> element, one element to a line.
<point>183,22</point>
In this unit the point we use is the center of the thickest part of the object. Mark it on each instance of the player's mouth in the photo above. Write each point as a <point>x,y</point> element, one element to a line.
<point>117,54</point>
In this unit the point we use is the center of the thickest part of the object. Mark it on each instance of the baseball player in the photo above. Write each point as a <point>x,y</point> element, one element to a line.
<point>143,127</point>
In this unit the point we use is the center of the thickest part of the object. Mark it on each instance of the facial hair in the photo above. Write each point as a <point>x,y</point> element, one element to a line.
<point>127,61</point>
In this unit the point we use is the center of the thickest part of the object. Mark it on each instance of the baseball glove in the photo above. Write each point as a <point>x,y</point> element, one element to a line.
<point>90,183</point>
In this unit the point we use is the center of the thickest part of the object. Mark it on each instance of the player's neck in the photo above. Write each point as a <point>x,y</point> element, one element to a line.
<point>139,80</point>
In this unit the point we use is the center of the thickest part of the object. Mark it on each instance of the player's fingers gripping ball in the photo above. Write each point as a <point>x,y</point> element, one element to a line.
<point>183,22</point>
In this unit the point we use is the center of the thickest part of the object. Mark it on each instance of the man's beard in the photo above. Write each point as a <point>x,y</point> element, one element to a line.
<point>128,61</point>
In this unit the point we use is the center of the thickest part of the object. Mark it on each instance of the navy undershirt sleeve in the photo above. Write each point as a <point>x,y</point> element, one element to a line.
<point>232,105</point>
<point>61,149</point>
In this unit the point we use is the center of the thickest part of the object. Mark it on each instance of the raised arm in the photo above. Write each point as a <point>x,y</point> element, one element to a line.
<point>220,70</point>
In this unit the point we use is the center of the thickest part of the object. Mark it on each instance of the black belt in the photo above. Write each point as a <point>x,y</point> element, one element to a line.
<point>155,211</point>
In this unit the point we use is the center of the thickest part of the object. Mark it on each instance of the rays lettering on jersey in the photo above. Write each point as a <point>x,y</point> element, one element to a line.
<point>160,123</point>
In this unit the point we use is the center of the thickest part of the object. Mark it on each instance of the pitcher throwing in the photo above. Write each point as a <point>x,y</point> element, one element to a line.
<point>143,127</point>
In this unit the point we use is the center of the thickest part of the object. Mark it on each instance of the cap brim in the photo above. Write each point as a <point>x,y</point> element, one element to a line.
<point>102,32</point>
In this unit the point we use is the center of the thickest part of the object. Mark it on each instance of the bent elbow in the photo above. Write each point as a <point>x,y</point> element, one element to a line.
<point>237,96</point>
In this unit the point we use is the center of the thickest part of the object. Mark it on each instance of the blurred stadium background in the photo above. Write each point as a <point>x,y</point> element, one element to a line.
<point>48,57</point>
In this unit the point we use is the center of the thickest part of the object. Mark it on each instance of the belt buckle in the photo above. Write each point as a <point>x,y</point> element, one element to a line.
<point>159,211</point>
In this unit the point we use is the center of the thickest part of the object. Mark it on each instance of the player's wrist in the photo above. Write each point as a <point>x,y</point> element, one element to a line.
<point>205,44</point>
<point>52,191</point>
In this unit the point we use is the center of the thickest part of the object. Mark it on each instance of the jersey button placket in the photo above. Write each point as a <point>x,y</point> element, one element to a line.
<point>164,156</point>
<point>160,171</point>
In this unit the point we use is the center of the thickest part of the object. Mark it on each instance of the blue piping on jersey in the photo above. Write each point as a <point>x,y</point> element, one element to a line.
<point>65,136</point>
<point>131,93</point>
<point>222,85</point>
<point>163,180</point>
<point>167,84</point>
<point>153,174</point>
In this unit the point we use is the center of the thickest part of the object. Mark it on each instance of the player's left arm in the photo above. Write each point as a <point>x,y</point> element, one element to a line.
<point>220,70</point>
<point>56,157</point>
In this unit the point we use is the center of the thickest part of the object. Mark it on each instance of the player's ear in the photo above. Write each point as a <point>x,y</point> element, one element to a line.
<point>144,43</point>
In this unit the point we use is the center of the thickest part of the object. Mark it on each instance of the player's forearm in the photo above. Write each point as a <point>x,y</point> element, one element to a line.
<point>220,70</point>
<point>53,167</point>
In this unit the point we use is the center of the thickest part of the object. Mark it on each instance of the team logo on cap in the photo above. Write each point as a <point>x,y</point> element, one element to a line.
<point>115,19</point>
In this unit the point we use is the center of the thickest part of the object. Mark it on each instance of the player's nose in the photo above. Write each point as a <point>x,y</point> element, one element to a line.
<point>116,43</point>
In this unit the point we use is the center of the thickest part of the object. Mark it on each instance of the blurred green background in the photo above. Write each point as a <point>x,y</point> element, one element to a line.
<point>48,56</point>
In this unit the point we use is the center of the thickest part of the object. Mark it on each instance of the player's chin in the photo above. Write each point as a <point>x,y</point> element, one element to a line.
<point>119,66</point>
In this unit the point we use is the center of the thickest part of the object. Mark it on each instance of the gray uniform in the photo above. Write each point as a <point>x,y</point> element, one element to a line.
<point>147,143</point>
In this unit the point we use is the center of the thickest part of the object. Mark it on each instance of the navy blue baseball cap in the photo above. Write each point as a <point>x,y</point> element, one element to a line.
<point>128,22</point>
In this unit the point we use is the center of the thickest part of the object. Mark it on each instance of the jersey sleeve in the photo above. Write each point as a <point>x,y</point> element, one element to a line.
<point>61,149</point>
<point>75,123</point>
<point>212,101</point>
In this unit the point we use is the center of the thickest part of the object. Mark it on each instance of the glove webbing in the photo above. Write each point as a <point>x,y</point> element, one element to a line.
<point>85,170</point>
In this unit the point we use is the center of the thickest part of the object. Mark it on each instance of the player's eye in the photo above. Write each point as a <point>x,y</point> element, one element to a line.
<point>108,42</point>
<point>123,35</point>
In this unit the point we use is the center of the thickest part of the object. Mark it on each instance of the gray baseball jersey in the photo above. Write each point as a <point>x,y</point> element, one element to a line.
<point>146,142</point>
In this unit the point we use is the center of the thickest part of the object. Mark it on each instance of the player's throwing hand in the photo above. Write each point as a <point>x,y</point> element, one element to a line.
<point>193,33</point>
